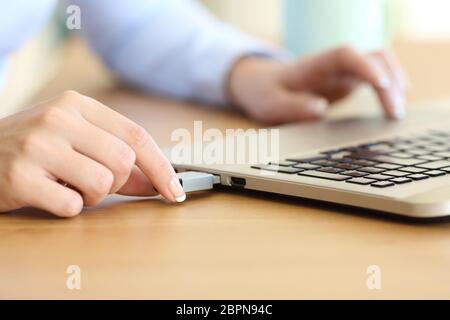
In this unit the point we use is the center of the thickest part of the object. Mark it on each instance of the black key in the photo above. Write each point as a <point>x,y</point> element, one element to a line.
<point>331,170</point>
<point>396,173</point>
<point>437,148</point>
<point>283,163</point>
<point>439,133</point>
<point>422,137</point>
<point>372,170</point>
<point>324,163</point>
<point>382,148</point>
<point>306,166</point>
<point>398,161</point>
<point>401,180</point>
<point>347,166</point>
<point>288,170</point>
<point>379,177</point>
<point>435,173</point>
<point>430,158</point>
<point>388,166</point>
<point>419,152</point>
<point>355,174</point>
<point>361,181</point>
<point>408,140</point>
<point>364,163</point>
<point>383,184</point>
<point>412,169</point>
<point>265,167</point>
<point>401,155</point>
<point>418,177</point>
<point>308,160</point>
<point>435,165</point>
<point>345,160</point>
<point>366,154</point>
<point>324,175</point>
<point>404,147</point>
<point>443,154</point>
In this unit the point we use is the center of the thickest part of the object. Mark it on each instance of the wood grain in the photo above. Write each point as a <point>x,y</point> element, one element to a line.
<point>222,244</point>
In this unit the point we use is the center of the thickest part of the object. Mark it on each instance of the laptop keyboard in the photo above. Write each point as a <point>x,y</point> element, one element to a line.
<point>380,164</point>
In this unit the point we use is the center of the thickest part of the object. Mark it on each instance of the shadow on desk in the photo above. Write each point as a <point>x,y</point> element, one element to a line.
<point>333,208</point>
<point>118,203</point>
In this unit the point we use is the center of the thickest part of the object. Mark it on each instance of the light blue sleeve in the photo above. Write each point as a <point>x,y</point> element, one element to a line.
<point>169,47</point>
<point>19,21</point>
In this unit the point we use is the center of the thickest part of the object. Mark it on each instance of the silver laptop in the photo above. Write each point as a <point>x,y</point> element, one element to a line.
<point>401,167</point>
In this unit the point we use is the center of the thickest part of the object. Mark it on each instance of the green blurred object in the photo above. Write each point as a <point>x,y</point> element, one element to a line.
<point>310,26</point>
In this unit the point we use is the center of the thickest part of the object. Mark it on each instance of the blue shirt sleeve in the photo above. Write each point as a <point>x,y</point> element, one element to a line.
<point>169,47</point>
<point>20,20</point>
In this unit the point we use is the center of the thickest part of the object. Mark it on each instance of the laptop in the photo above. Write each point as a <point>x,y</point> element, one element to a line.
<point>366,161</point>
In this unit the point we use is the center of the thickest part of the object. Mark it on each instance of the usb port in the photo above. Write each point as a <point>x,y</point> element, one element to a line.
<point>238,182</point>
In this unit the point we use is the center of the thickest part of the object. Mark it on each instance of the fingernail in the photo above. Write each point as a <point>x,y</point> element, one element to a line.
<point>384,83</point>
<point>177,190</point>
<point>399,107</point>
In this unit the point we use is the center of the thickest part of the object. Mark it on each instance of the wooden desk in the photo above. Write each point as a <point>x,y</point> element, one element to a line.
<point>222,244</point>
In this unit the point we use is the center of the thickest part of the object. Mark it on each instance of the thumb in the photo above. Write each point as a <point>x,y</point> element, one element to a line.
<point>302,107</point>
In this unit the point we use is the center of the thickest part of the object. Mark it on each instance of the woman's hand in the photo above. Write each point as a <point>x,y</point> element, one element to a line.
<point>276,92</point>
<point>73,151</point>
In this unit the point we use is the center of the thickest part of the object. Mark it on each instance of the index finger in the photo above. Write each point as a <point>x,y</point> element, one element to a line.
<point>349,61</point>
<point>149,157</point>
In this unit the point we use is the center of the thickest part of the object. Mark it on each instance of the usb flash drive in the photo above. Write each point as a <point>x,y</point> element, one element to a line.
<point>197,181</point>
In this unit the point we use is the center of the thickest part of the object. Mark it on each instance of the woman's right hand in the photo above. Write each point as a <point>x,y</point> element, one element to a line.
<point>72,151</point>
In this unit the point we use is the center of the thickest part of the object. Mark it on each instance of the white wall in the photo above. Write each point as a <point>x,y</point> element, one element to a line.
<point>260,17</point>
<point>426,19</point>
<point>423,19</point>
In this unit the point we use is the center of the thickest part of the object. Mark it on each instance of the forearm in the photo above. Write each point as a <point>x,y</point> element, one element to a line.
<point>172,47</point>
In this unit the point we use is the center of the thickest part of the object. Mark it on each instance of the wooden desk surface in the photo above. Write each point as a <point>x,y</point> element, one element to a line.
<point>222,244</point>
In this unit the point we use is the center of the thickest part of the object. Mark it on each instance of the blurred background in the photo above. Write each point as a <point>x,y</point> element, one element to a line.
<point>418,19</point>
<point>417,30</point>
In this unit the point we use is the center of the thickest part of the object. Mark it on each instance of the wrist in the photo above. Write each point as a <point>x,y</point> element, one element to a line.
<point>245,78</point>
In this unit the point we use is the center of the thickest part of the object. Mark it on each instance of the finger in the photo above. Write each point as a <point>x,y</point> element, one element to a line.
<point>106,149</point>
<point>138,185</point>
<point>392,98</point>
<point>312,74</point>
<point>51,196</point>
<point>316,71</point>
<point>351,62</point>
<point>89,177</point>
<point>344,62</point>
<point>340,88</point>
<point>300,107</point>
<point>391,64</point>
<point>149,157</point>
